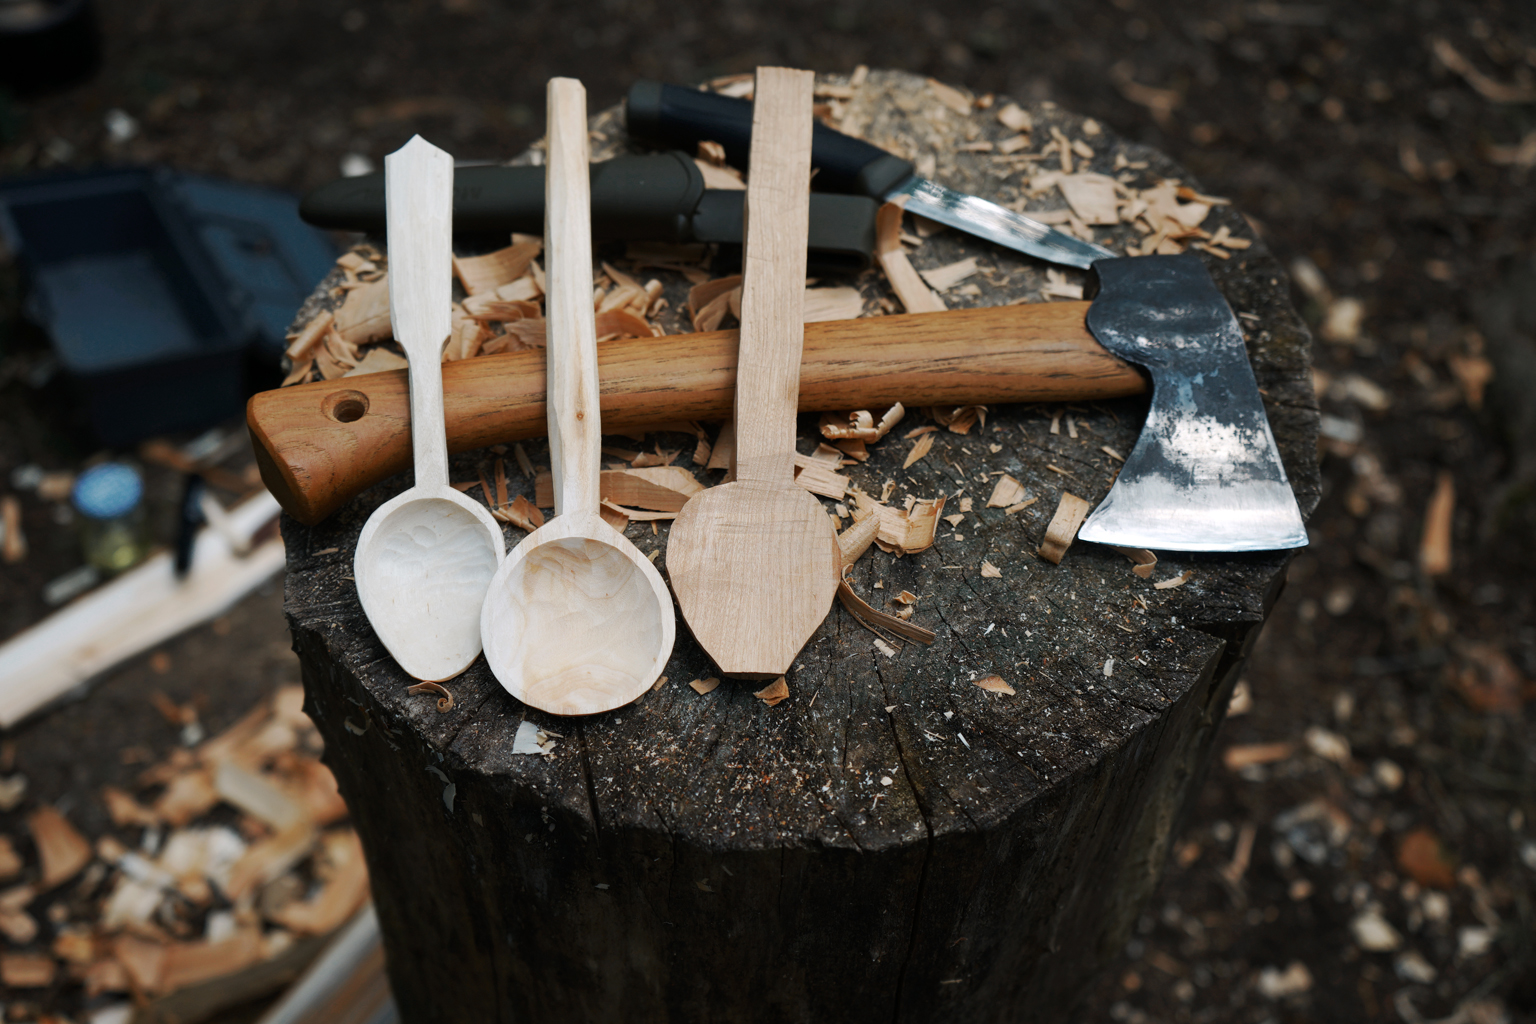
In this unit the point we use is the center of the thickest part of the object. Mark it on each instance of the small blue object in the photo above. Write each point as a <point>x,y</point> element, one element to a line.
<point>108,491</point>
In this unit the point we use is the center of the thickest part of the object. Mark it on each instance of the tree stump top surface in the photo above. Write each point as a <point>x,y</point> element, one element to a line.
<point>870,750</point>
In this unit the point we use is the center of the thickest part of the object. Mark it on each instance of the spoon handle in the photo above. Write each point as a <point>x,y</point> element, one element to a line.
<point>575,430</point>
<point>773,276</point>
<point>418,195</point>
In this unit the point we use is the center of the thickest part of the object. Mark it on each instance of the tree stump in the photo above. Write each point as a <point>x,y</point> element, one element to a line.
<point>891,842</point>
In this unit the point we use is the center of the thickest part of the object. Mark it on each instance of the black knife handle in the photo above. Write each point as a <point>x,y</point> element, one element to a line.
<point>648,198</point>
<point>673,115</point>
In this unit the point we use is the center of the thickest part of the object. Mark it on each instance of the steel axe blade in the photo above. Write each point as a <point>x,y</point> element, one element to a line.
<point>1205,474</point>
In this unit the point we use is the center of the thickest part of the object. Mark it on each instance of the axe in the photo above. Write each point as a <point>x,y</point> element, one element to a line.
<point>320,444</point>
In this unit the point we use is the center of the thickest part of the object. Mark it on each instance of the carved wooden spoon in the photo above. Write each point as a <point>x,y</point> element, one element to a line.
<point>754,563</point>
<point>425,557</point>
<point>577,620</point>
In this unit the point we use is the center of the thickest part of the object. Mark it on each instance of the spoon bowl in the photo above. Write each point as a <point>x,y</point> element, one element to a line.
<point>579,619</point>
<point>425,557</point>
<point>422,567</point>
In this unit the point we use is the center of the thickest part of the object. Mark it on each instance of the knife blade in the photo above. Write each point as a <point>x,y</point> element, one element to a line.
<point>674,115</point>
<point>656,198</point>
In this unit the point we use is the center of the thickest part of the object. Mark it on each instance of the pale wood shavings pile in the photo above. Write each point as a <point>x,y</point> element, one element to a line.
<point>226,855</point>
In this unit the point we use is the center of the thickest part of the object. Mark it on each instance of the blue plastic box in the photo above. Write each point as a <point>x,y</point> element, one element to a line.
<point>166,295</point>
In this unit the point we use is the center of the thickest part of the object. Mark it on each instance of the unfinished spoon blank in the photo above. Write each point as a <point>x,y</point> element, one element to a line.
<point>755,562</point>
<point>425,557</point>
<point>577,620</point>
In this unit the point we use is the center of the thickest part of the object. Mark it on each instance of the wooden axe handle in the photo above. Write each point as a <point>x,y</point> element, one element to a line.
<point>320,444</point>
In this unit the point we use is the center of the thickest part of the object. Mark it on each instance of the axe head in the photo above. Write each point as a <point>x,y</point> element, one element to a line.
<point>1205,474</point>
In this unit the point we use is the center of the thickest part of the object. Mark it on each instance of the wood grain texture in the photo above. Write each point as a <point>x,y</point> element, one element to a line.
<point>707,857</point>
<point>754,562</point>
<point>320,444</point>
<point>576,621</point>
<point>424,559</point>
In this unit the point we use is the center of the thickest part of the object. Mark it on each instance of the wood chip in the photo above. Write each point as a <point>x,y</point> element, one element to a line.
<point>305,341</point>
<point>990,571</point>
<point>702,686</point>
<point>946,277</point>
<point>774,693</point>
<point>1142,561</point>
<point>995,684</point>
<point>522,513</point>
<point>378,360</point>
<point>270,858</point>
<point>1062,530</point>
<point>27,970</point>
<point>13,543</point>
<point>1007,491</point>
<point>951,97</point>
<point>345,890</point>
<point>364,316</point>
<point>10,860</point>
<point>257,795</point>
<point>919,450</point>
<point>61,849</point>
<point>1015,118</point>
<point>1240,756</point>
<point>142,959</point>
<point>914,293</point>
<point>481,275</point>
<point>1091,196</point>
<point>1435,542</point>
<point>125,811</point>
<point>822,304</point>
<point>659,488</point>
<point>1177,581</point>
<point>857,538</point>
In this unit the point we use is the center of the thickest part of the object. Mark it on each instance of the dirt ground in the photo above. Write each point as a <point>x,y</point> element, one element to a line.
<point>1383,866</point>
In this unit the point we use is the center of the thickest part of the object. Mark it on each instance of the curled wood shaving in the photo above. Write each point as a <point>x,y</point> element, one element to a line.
<point>958,419</point>
<point>1489,89</point>
<point>995,684</point>
<point>1142,561</point>
<point>702,686</point>
<point>1177,581</point>
<point>305,341</point>
<point>444,698</point>
<point>774,693</point>
<point>1007,491</point>
<point>1062,530</point>
<point>861,424</point>
<point>915,295</point>
<point>876,620</point>
<point>613,515</point>
<point>857,538</point>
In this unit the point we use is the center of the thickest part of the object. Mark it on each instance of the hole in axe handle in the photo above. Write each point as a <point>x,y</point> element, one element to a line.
<point>346,406</point>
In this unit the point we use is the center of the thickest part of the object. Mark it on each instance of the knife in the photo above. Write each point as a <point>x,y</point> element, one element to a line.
<point>673,115</point>
<point>656,198</point>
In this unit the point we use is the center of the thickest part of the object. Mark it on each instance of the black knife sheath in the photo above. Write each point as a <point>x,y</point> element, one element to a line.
<point>656,198</point>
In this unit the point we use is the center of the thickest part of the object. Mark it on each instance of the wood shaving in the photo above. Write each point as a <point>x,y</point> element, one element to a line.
<point>857,538</point>
<point>378,360</point>
<point>303,343</point>
<point>817,477</point>
<point>774,693</point>
<point>1240,756</point>
<point>914,293</point>
<point>995,684</point>
<point>946,277</point>
<point>364,316</point>
<point>1435,542</point>
<point>703,686</point>
<point>1015,118</point>
<point>951,97</point>
<point>990,571</point>
<point>1062,530</point>
<point>484,274</point>
<point>1177,581</point>
<point>919,450</point>
<point>1107,450</point>
<point>1142,561</point>
<point>1007,491</point>
<point>822,304</point>
<point>903,531</point>
<point>1092,197</point>
<point>62,851</point>
<point>1489,89</point>
<point>444,698</point>
<point>876,620</point>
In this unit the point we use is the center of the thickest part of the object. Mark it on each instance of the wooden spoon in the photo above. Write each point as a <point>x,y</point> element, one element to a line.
<point>754,563</point>
<point>577,620</point>
<point>425,557</point>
